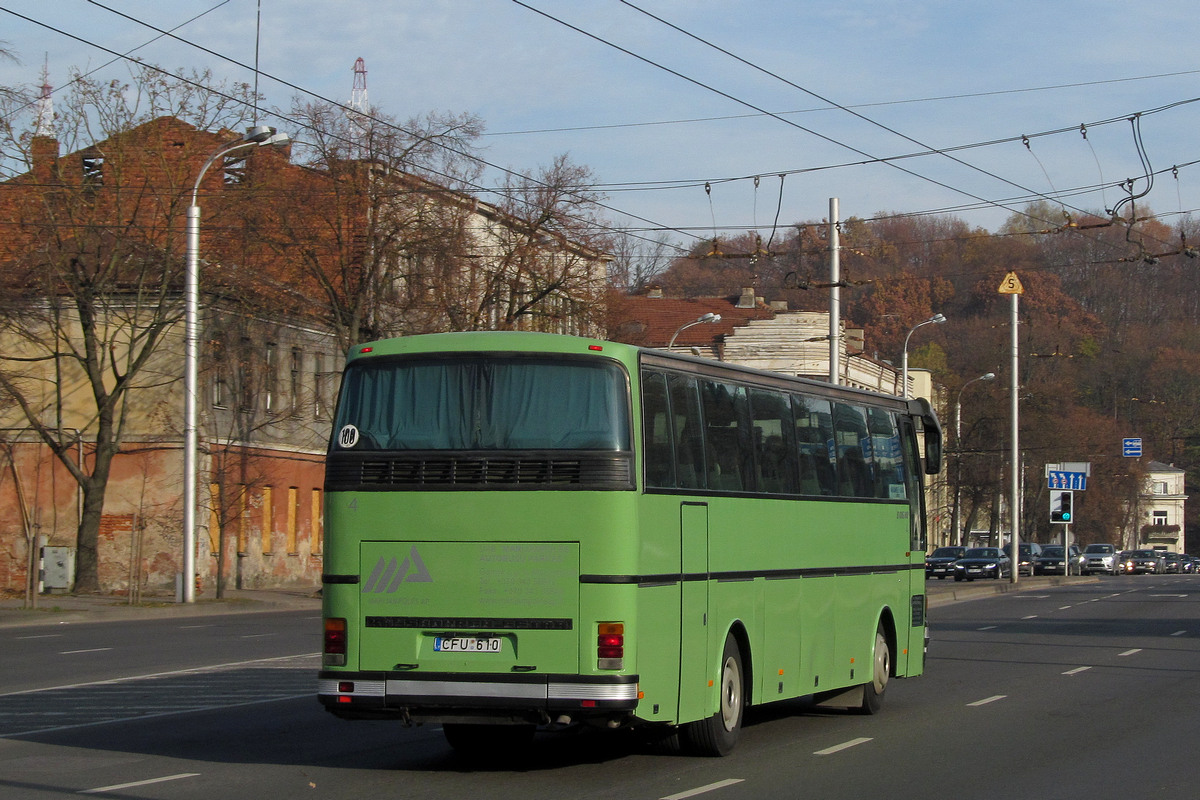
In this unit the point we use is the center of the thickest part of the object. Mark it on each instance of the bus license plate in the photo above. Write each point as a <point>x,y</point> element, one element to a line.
<point>467,644</point>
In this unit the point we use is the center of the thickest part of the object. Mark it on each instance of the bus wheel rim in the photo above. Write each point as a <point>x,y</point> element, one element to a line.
<point>731,694</point>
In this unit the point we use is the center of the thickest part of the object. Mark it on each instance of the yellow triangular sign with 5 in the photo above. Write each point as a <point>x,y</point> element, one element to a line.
<point>1011,285</point>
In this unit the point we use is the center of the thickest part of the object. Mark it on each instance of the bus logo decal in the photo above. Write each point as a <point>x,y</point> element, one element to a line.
<point>348,436</point>
<point>387,575</point>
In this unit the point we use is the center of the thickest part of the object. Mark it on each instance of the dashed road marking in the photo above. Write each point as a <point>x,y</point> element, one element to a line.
<point>712,787</point>
<point>837,748</point>
<point>987,700</point>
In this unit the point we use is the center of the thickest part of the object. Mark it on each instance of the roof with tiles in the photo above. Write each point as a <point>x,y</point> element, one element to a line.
<point>651,321</point>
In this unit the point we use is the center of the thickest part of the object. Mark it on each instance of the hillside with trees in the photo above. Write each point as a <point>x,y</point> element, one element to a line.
<point>1108,334</point>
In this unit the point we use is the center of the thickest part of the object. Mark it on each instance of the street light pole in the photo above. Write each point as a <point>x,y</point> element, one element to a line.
<point>956,518</point>
<point>704,318</point>
<point>257,136</point>
<point>937,319</point>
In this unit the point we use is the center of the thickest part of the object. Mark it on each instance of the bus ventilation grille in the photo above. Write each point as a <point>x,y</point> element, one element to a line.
<point>479,472</point>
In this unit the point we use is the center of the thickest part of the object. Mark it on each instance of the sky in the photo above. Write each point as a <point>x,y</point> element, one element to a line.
<point>699,117</point>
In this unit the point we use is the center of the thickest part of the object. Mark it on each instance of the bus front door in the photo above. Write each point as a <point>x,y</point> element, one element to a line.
<point>693,612</point>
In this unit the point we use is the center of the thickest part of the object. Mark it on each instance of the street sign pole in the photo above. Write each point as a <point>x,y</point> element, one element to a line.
<point>1011,285</point>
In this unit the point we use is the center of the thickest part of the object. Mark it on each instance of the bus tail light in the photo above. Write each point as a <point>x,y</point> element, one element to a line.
<point>610,645</point>
<point>335,642</point>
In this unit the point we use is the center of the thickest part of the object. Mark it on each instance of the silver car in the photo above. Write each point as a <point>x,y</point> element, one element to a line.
<point>1101,558</point>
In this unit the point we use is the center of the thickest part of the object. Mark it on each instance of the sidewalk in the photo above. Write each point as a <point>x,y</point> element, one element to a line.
<point>73,608</point>
<point>945,592</point>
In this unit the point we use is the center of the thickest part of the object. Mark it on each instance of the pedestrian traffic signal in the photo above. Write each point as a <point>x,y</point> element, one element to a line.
<point>1060,505</point>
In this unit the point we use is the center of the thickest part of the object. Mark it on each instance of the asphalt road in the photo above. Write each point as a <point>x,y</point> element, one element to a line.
<point>1085,690</point>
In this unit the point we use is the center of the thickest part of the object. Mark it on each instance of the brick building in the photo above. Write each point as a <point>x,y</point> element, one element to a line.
<point>295,268</point>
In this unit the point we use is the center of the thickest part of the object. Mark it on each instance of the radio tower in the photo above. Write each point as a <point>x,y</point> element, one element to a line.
<point>359,114</point>
<point>44,126</point>
<point>358,95</point>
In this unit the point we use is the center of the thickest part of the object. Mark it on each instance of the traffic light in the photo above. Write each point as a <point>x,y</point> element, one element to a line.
<point>1060,505</point>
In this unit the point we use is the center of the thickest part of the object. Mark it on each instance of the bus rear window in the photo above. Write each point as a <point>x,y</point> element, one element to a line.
<point>473,403</point>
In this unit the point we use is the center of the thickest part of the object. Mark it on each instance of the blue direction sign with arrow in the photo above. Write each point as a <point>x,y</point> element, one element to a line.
<point>1131,448</point>
<point>1058,479</point>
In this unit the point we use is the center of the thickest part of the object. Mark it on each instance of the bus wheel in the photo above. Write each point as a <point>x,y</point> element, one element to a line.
<point>487,741</point>
<point>881,670</point>
<point>717,735</point>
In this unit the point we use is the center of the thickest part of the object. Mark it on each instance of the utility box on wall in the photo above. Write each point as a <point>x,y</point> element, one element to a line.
<point>58,569</point>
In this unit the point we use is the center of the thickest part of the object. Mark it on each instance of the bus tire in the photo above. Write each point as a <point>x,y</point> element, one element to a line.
<point>716,735</point>
<point>881,671</point>
<point>487,741</point>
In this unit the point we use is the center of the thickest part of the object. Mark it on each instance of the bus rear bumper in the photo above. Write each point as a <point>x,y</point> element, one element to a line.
<point>536,699</point>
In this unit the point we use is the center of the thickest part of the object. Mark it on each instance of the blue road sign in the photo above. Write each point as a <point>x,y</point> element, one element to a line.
<point>1131,448</point>
<point>1058,479</point>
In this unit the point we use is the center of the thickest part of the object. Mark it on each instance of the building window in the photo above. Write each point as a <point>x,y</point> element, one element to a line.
<point>245,381</point>
<point>293,511</point>
<point>317,522</point>
<point>1158,518</point>
<point>294,380</point>
<point>1160,487</point>
<point>92,166</point>
<point>269,369</point>
<point>268,519</point>
<point>319,389</point>
<point>220,383</point>
<point>235,168</point>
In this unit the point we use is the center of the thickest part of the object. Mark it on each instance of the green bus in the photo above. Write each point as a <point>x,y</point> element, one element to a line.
<point>530,531</point>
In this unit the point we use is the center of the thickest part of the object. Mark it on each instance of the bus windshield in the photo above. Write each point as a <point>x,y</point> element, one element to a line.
<point>480,403</point>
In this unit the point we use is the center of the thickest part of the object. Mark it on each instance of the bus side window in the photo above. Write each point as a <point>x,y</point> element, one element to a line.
<point>725,453</point>
<point>814,430</point>
<point>889,462</point>
<point>855,461</point>
<point>688,432</point>
<point>656,431</point>
<point>775,451</point>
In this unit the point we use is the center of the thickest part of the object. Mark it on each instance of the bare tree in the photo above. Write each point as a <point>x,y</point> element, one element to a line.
<point>89,286</point>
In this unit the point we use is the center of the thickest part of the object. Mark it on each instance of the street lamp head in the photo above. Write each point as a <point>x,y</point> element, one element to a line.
<point>258,134</point>
<point>937,319</point>
<point>988,376</point>
<point>709,317</point>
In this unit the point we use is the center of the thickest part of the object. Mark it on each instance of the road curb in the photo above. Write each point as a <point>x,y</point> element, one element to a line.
<point>957,592</point>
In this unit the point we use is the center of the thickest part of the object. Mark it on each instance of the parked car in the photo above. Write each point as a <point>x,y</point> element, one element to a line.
<point>1050,562</point>
<point>1174,563</point>
<point>940,562</point>
<point>1101,558</point>
<point>983,562</point>
<point>1028,551</point>
<point>1138,562</point>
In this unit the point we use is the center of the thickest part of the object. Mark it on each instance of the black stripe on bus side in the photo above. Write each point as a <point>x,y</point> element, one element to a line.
<point>339,579</point>
<point>747,575</point>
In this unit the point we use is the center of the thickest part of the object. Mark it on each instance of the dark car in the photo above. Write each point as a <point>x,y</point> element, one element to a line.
<point>1029,552</point>
<point>982,562</point>
<point>1138,562</point>
<point>1101,558</point>
<point>1050,562</point>
<point>1174,563</point>
<point>940,562</point>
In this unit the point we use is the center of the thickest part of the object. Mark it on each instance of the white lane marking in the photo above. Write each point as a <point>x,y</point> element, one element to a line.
<point>1076,671</point>
<point>712,787</point>
<point>92,650</point>
<point>1031,616</point>
<point>986,628</point>
<point>257,635</point>
<point>43,636</point>
<point>1064,608</point>
<point>164,674</point>
<point>1168,595</point>
<point>1033,596</point>
<point>1179,633</point>
<point>837,748</point>
<point>987,700</point>
<point>1130,652</point>
<point>120,786</point>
